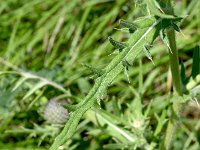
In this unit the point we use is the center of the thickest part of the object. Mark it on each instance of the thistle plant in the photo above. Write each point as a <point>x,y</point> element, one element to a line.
<point>143,31</point>
<point>55,113</point>
<point>135,110</point>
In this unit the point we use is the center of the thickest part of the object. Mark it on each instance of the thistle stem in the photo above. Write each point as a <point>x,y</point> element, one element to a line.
<point>174,62</point>
<point>174,65</point>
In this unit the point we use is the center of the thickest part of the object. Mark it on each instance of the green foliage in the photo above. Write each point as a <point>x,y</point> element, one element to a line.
<point>65,50</point>
<point>102,83</point>
<point>196,62</point>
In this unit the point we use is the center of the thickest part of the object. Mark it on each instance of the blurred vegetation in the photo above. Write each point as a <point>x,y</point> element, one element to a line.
<point>44,48</point>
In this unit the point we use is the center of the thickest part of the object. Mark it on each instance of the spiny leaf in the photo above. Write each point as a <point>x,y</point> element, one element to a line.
<point>176,27</point>
<point>165,39</point>
<point>167,23</point>
<point>132,27</point>
<point>156,10</point>
<point>147,21</point>
<point>117,44</point>
<point>177,19</point>
<point>101,84</point>
<point>70,107</point>
<point>126,74</point>
<point>126,64</point>
<point>101,95</point>
<point>112,120</point>
<point>147,53</point>
<point>96,71</point>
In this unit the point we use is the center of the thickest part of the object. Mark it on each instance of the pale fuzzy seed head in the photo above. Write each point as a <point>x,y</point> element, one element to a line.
<point>55,113</point>
<point>137,124</point>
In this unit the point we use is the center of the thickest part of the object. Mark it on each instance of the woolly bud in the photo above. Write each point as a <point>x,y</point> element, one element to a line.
<point>55,113</point>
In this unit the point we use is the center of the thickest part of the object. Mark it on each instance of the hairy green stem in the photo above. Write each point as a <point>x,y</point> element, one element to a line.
<point>174,65</point>
<point>174,62</point>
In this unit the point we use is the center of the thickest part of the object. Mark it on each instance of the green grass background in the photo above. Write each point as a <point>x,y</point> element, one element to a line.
<point>43,46</point>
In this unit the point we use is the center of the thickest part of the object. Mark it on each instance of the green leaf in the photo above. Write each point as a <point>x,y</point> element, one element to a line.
<point>156,9</point>
<point>12,45</point>
<point>196,90</point>
<point>176,27</point>
<point>115,67</point>
<point>126,74</point>
<point>35,88</point>
<point>146,48</point>
<point>115,146</point>
<point>131,26</point>
<point>165,39</point>
<point>180,99</point>
<point>150,78</point>
<point>70,107</point>
<point>125,63</point>
<point>196,61</point>
<point>19,82</point>
<point>84,85</point>
<point>161,121</point>
<point>106,118</point>
<point>194,82</point>
<point>117,44</point>
<point>96,71</point>
<point>44,80</point>
<point>39,95</point>
<point>183,74</point>
<point>115,106</point>
<point>147,21</point>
